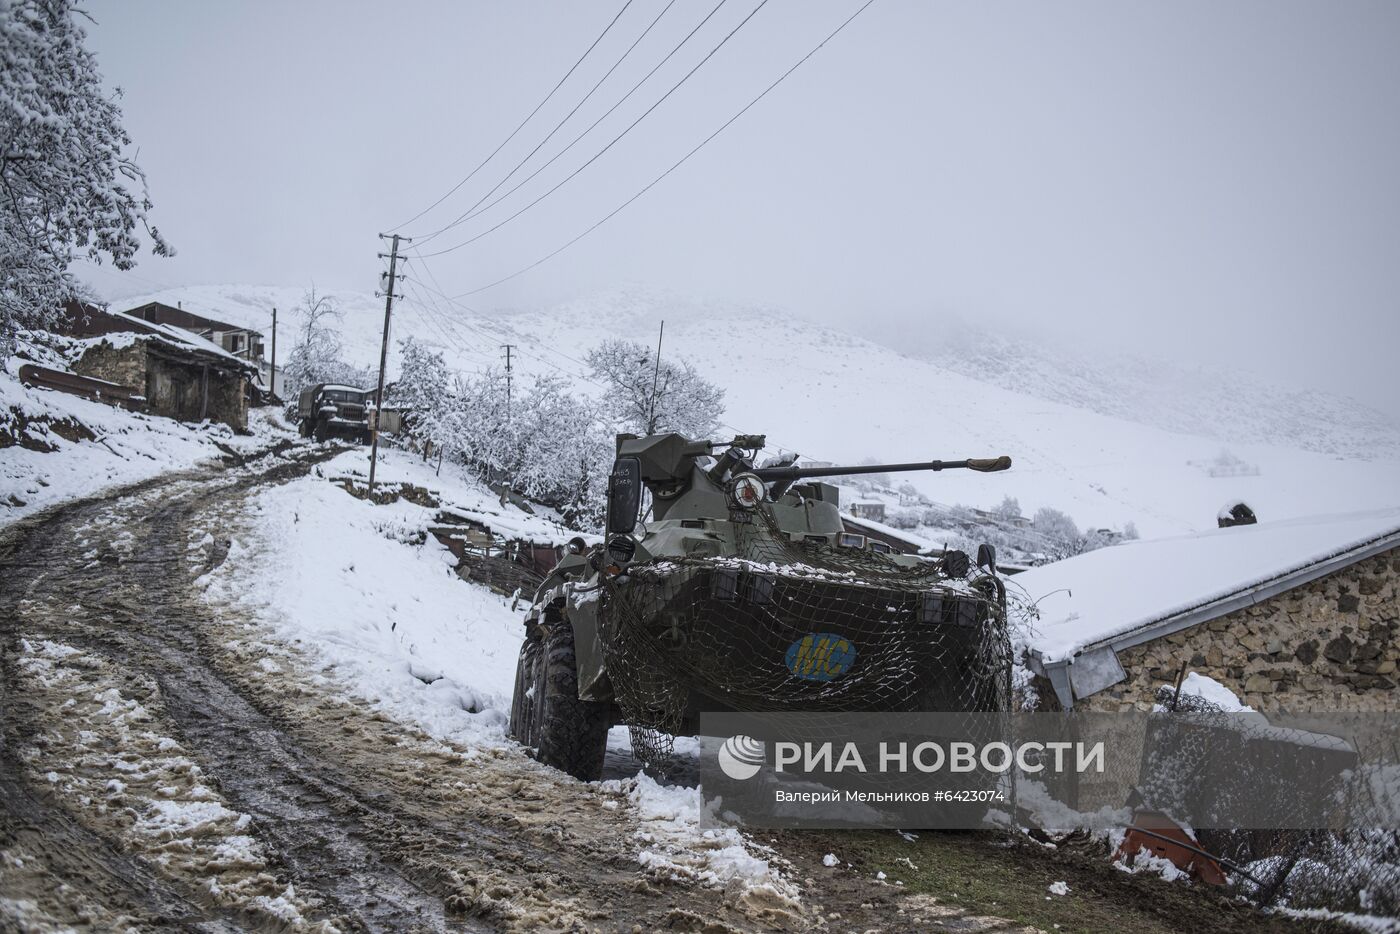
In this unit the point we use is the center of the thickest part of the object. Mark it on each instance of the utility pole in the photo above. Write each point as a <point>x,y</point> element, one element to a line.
<point>655,380</point>
<point>390,279</point>
<point>508,348</point>
<point>272,380</point>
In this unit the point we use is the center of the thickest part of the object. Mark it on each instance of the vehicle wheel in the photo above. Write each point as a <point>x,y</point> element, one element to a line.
<point>304,428</point>
<point>569,734</point>
<point>522,703</point>
<point>322,431</point>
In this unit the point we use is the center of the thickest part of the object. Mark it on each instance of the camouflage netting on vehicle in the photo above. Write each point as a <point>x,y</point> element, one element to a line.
<point>799,626</point>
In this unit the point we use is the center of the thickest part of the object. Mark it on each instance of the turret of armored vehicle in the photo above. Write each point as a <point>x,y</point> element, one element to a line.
<point>734,592</point>
<point>327,411</point>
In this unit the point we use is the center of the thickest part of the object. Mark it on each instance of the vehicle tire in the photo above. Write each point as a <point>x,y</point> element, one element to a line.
<point>323,430</point>
<point>569,734</point>
<point>304,428</point>
<point>522,702</point>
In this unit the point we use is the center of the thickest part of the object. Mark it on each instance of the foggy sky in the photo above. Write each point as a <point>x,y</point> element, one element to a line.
<point>1212,181</point>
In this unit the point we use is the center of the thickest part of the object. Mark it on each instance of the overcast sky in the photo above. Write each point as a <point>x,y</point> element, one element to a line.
<point>1207,180</point>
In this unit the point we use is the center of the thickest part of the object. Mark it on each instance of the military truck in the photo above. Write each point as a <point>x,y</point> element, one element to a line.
<point>327,411</point>
<point>735,592</point>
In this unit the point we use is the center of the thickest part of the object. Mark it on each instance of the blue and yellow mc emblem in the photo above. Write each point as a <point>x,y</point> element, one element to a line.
<point>821,656</point>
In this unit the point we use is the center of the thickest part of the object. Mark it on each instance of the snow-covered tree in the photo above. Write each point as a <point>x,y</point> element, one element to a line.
<point>425,389</point>
<point>66,186</point>
<point>548,444</point>
<point>1058,534</point>
<point>316,355</point>
<point>1009,509</point>
<point>563,450</point>
<point>683,400</point>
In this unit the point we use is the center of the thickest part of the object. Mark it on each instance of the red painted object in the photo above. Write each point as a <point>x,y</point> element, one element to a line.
<point>1164,837</point>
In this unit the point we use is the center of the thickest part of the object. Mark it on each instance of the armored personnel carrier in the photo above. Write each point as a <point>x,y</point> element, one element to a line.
<point>737,590</point>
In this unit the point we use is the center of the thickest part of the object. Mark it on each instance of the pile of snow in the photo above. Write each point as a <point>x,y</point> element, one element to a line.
<point>675,848</point>
<point>362,588</point>
<point>1105,593</point>
<point>1208,689</point>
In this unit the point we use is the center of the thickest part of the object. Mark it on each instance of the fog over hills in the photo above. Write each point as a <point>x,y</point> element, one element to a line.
<point>1107,439</point>
<point>1233,405</point>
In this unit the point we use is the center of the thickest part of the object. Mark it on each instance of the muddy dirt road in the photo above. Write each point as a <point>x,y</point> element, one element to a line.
<point>162,764</point>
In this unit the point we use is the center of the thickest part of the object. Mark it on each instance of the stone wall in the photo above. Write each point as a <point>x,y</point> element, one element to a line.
<point>174,385</point>
<point>1333,644</point>
<point>125,366</point>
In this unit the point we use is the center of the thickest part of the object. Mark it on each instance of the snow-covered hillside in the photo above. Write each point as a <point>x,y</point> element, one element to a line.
<point>1230,405</point>
<point>835,396</point>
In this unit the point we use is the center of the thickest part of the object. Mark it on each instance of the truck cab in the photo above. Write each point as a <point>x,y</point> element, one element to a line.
<point>328,410</point>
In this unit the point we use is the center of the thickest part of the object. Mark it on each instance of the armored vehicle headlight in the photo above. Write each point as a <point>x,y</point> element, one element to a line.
<point>621,549</point>
<point>746,491</point>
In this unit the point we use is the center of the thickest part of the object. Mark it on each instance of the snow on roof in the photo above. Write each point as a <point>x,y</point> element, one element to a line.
<point>166,332</point>
<point>1109,593</point>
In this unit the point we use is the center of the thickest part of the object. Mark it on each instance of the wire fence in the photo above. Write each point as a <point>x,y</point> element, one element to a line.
<point>1324,803</point>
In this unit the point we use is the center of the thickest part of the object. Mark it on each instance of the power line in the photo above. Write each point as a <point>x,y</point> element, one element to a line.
<point>451,191</point>
<point>678,164</point>
<point>429,317</point>
<point>548,136</point>
<point>614,141</point>
<point>472,212</point>
<point>439,321</point>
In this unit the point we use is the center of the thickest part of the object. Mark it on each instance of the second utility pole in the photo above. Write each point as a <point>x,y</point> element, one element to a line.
<point>272,380</point>
<point>508,348</point>
<point>383,355</point>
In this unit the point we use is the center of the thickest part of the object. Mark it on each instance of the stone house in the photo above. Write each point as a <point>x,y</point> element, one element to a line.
<point>1296,615</point>
<point>873,510</point>
<point>178,375</point>
<point>242,342</point>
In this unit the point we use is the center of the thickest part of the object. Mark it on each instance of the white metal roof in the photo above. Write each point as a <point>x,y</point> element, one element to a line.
<point>1126,593</point>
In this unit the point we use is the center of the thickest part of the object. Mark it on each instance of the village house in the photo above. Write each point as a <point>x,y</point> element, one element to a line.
<point>244,343</point>
<point>1295,615</point>
<point>869,510</point>
<point>170,371</point>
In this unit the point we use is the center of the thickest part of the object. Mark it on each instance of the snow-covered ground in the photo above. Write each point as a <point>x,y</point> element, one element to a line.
<point>836,396</point>
<point>126,447</point>
<point>361,590</point>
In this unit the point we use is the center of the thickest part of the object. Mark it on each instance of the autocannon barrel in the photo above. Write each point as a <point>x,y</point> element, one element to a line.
<point>789,474</point>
